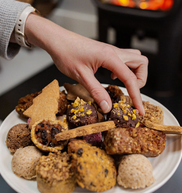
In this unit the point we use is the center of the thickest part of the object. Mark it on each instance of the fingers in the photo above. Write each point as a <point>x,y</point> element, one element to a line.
<point>136,62</point>
<point>97,91</point>
<point>117,65</point>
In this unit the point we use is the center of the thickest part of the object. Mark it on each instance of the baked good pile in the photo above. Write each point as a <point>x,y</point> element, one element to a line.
<point>68,141</point>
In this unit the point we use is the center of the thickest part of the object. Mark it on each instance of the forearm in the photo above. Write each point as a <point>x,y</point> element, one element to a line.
<point>42,32</point>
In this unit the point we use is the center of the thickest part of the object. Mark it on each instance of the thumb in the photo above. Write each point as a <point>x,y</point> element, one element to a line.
<point>98,92</point>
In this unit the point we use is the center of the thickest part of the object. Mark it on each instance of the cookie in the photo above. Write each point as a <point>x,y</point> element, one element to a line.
<point>123,115</point>
<point>45,105</point>
<point>18,136</point>
<point>85,130</point>
<point>43,135</point>
<point>153,113</point>
<point>135,171</point>
<point>140,140</point>
<point>115,93</point>
<point>94,169</point>
<point>25,102</point>
<point>54,174</point>
<point>24,162</point>
<point>81,113</point>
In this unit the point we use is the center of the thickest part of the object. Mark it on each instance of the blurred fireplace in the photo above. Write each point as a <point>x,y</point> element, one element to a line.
<point>159,19</point>
<point>163,5</point>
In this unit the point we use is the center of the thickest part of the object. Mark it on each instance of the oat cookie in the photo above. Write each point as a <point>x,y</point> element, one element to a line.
<point>94,169</point>
<point>153,113</point>
<point>54,174</point>
<point>140,140</point>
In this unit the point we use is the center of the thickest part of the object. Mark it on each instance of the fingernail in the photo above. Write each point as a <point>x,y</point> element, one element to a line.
<point>114,77</point>
<point>104,106</point>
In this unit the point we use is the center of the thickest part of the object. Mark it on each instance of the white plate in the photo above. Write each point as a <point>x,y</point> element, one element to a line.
<point>164,165</point>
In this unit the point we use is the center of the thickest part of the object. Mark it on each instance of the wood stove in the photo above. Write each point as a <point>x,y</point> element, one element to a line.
<point>163,23</point>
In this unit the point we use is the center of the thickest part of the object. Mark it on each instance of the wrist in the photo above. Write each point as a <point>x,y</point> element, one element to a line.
<point>36,31</point>
<point>43,33</point>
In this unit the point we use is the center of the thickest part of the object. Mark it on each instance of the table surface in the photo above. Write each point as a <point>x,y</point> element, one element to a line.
<point>9,100</point>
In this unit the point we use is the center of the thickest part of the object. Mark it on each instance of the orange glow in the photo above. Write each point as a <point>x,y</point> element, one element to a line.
<point>124,2</point>
<point>145,4</point>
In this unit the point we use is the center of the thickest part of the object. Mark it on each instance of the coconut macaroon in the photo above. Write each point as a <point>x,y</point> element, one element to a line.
<point>135,171</point>
<point>24,162</point>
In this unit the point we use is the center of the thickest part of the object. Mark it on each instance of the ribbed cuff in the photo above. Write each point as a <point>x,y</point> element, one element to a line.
<point>9,12</point>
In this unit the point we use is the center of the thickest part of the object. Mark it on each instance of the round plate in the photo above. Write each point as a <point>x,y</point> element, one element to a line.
<point>164,165</point>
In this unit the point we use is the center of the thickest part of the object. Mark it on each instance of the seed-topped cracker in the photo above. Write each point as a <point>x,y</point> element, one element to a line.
<point>45,105</point>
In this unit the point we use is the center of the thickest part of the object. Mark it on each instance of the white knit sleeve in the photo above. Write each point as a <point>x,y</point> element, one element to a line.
<point>9,12</point>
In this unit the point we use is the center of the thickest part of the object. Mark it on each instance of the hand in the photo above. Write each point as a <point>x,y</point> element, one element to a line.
<point>79,58</point>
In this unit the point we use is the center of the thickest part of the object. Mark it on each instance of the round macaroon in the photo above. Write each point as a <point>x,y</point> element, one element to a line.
<point>135,171</point>
<point>24,162</point>
<point>18,136</point>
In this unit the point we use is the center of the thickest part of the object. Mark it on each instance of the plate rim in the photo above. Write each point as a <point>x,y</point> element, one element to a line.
<point>125,91</point>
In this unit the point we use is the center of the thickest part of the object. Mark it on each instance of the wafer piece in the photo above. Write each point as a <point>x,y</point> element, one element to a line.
<point>165,128</point>
<point>45,105</point>
<point>85,130</point>
<point>77,90</point>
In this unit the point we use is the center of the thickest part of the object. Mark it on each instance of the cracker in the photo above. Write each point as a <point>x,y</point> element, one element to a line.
<point>45,105</point>
<point>153,113</point>
<point>165,128</point>
<point>85,130</point>
<point>77,90</point>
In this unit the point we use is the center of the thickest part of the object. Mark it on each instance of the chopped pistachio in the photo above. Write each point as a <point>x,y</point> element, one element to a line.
<point>133,116</point>
<point>81,109</point>
<point>74,117</point>
<point>89,112</point>
<point>115,105</point>
<point>137,125</point>
<point>125,117</point>
<point>72,110</point>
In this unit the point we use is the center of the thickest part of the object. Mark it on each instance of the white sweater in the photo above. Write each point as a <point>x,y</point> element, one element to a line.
<point>9,12</point>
